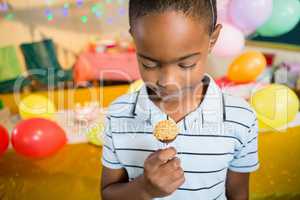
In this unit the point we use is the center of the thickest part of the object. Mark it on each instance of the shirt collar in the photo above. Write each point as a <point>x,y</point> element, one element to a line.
<point>210,110</point>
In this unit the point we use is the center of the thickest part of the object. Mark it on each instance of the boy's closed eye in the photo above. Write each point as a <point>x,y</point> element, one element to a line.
<point>189,62</point>
<point>184,62</point>
<point>149,64</point>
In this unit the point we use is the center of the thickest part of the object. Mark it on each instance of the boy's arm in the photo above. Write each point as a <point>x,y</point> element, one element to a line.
<point>237,186</point>
<point>115,185</point>
<point>245,161</point>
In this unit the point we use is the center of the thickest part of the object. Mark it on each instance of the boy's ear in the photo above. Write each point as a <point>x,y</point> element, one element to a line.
<point>214,37</point>
<point>130,31</point>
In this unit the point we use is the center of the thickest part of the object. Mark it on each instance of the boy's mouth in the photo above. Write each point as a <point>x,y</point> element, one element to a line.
<point>164,93</point>
<point>168,94</point>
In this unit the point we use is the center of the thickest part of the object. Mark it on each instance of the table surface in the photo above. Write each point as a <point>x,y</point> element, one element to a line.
<point>74,173</point>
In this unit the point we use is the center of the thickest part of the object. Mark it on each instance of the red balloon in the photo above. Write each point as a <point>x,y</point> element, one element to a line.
<point>4,140</point>
<point>38,138</point>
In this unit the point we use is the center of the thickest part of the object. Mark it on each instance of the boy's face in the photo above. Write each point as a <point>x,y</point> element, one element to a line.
<point>172,51</point>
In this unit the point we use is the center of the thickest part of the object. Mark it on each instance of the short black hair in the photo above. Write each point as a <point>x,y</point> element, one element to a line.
<point>201,9</point>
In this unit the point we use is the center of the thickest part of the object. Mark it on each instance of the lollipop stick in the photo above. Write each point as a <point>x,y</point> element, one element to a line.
<point>166,145</point>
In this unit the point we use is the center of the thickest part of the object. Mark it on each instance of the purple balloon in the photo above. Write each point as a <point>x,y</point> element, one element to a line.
<point>250,14</point>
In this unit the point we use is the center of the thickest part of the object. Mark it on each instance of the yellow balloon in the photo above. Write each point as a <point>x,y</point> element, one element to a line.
<point>36,106</point>
<point>275,106</point>
<point>135,86</point>
<point>94,135</point>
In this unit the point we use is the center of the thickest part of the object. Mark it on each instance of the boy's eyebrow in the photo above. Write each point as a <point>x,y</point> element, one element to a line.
<point>176,60</point>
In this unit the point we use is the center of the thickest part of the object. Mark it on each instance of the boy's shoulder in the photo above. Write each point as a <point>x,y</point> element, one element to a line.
<point>230,100</point>
<point>123,105</point>
<point>238,109</point>
<point>241,121</point>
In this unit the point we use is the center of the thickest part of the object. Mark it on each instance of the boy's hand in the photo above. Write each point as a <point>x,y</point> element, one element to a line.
<point>163,174</point>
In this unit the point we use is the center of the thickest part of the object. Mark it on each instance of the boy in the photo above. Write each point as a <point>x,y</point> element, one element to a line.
<point>216,147</point>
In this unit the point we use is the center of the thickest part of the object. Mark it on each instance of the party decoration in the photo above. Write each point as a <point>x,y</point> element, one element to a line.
<point>38,138</point>
<point>135,86</point>
<point>275,106</point>
<point>286,15</point>
<point>230,43</point>
<point>65,9</point>
<point>79,3</point>
<point>84,19</point>
<point>122,11</point>
<point>49,14</point>
<point>4,140</point>
<point>247,67</point>
<point>9,16</point>
<point>3,7</point>
<point>86,113</point>
<point>34,106</point>
<point>94,135</point>
<point>249,15</point>
<point>98,10</point>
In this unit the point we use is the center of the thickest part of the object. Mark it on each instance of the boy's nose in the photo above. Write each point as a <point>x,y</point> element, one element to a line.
<point>167,77</point>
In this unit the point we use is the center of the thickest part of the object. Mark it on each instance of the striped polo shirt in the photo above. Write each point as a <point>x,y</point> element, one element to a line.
<point>220,135</point>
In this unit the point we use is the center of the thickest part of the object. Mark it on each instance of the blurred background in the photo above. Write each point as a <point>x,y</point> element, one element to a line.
<point>62,62</point>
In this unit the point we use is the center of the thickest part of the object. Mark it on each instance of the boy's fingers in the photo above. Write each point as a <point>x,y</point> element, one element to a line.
<point>177,183</point>
<point>174,163</point>
<point>166,154</point>
<point>161,157</point>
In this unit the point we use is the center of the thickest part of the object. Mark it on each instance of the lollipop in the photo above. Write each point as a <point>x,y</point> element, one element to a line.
<point>166,131</point>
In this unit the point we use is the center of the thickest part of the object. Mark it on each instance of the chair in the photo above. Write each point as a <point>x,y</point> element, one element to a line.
<point>42,63</point>
<point>10,71</point>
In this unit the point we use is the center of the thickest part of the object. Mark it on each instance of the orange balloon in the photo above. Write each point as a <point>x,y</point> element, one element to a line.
<point>247,67</point>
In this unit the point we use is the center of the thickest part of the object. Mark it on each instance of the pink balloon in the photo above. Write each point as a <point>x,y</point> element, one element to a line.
<point>230,43</point>
<point>222,7</point>
<point>249,15</point>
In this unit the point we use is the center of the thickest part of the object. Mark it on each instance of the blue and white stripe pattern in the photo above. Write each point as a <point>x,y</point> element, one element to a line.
<point>220,135</point>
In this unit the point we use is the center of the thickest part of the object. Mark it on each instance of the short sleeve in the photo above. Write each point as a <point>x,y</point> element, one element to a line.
<point>246,155</point>
<point>109,157</point>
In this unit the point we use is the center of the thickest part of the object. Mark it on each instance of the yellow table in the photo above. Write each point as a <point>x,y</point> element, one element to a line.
<point>74,173</point>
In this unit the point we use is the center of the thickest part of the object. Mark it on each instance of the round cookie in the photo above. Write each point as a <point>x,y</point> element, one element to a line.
<point>166,131</point>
